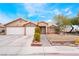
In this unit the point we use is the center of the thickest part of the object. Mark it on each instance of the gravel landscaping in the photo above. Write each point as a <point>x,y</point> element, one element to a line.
<point>60,39</point>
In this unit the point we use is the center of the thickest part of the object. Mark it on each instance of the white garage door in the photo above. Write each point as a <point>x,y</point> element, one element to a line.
<point>30,31</point>
<point>15,30</point>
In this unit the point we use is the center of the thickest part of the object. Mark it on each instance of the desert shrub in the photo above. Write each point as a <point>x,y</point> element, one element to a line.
<point>77,41</point>
<point>37,30</point>
<point>37,34</point>
<point>37,37</point>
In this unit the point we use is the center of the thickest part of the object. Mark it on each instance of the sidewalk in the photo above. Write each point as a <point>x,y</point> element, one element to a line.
<point>45,41</point>
<point>53,50</point>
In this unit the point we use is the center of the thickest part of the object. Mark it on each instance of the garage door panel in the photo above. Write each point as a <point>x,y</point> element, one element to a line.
<point>30,30</point>
<point>15,30</point>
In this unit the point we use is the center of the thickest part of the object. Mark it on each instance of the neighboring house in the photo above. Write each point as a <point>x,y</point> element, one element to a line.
<point>2,29</point>
<point>16,27</point>
<point>22,27</point>
<point>51,29</point>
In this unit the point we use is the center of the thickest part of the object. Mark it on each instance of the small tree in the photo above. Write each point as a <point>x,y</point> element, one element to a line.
<point>64,21</point>
<point>37,34</point>
<point>37,29</point>
<point>37,37</point>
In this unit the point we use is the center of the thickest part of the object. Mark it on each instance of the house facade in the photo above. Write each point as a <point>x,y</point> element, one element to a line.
<point>51,29</point>
<point>22,27</point>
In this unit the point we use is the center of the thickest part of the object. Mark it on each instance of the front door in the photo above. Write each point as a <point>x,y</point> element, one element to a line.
<point>43,29</point>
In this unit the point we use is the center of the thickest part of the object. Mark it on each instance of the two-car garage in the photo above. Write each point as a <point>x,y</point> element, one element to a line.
<point>17,28</point>
<point>20,30</point>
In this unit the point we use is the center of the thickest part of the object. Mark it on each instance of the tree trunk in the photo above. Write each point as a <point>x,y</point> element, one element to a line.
<point>71,29</point>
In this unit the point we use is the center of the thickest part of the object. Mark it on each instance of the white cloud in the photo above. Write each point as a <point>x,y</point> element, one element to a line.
<point>67,9</point>
<point>30,15</point>
<point>38,9</point>
<point>69,13</point>
<point>49,20</point>
<point>57,12</point>
<point>43,16</point>
<point>33,9</point>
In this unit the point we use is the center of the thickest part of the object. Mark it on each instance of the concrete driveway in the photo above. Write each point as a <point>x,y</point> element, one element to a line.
<point>13,44</point>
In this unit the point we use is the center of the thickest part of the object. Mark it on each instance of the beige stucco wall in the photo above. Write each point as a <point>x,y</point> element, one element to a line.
<point>50,30</point>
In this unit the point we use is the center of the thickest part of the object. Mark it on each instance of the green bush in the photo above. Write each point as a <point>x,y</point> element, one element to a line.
<point>37,30</point>
<point>37,34</point>
<point>37,37</point>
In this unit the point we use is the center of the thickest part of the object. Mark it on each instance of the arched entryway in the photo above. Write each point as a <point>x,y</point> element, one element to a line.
<point>43,27</point>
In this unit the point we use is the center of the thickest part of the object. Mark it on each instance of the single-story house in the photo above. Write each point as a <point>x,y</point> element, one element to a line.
<point>16,27</point>
<point>23,27</point>
<point>51,29</point>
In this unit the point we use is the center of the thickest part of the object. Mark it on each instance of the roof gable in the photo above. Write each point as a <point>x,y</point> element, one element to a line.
<point>30,24</point>
<point>17,22</point>
<point>42,23</point>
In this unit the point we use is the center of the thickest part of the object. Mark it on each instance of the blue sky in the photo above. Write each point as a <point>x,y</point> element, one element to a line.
<point>36,11</point>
